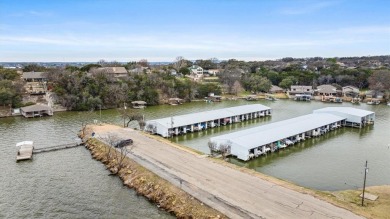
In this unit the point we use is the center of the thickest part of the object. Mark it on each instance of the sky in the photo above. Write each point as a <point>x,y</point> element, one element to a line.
<point>157,30</point>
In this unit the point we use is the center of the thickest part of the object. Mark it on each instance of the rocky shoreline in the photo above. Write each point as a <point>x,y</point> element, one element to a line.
<point>155,189</point>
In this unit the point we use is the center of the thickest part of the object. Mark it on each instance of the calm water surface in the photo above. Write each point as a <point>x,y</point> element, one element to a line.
<point>69,184</point>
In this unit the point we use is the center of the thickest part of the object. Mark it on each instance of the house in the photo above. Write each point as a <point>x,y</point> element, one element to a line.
<point>34,76</point>
<point>196,71</point>
<point>173,72</point>
<point>299,89</point>
<point>275,89</point>
<point>374,94</point>
<point>327,90</point>
<point>115,72</point>
<point>350,91</point>
<point>35,82</point>
<point>211,72</point>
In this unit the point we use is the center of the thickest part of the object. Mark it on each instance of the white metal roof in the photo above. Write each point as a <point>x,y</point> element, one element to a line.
<point>345,110</point>
<point>23,143</point>
<point>265,134</point>
<point>193,118</point>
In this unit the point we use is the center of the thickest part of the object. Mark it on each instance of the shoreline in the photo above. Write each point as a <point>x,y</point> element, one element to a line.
<point>156,189</point>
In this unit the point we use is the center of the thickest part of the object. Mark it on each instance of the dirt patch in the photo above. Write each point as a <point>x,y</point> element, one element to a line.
<point>157,190</point>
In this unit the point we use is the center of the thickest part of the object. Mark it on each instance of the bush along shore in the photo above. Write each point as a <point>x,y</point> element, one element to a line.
<point>144,182</point>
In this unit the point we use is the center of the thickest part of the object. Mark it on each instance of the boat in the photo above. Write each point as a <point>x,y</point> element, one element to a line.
<point>139,104</point>
<point>175,101</point>
<point>251,98</point>
<point>271,98</point>
<point>355,100</point>
<point>373,102</point>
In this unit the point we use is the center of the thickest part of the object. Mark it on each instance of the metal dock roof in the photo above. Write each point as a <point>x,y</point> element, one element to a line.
<point>198,117</point>
<point>265,134</point>
<point>345,110</point>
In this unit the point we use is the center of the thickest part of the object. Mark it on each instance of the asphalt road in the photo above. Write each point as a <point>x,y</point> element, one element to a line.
<point>236,194</point>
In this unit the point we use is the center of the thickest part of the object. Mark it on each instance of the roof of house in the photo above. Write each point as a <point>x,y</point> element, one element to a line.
<point>34,75</point>
<point>195,67</point>
<point>275,88</point>
<point>350,87</point>
<point>302,86</point>
<point>269,133</point>
<point>113,70</point>
<point>35,108</point>
<point>327,88</point>
<point>192,118</point>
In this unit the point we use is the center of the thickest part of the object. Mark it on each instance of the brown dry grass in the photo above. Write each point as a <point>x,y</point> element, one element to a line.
<point>372,209</point>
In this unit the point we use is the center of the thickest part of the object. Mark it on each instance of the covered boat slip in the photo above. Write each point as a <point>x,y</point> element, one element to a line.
<point>354,117</point>
<point>256,141</point>
<point>182,124</point>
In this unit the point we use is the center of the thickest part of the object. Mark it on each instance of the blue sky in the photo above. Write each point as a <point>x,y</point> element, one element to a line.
<point>130,30</point>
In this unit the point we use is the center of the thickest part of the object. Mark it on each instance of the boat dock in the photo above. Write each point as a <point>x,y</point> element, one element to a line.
<point>55,148</point>
<point>27,149</point>
<point>250,143</point>
<point>176,125</point>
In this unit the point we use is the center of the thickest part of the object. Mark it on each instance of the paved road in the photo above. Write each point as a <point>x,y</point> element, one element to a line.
<point>232,192</point>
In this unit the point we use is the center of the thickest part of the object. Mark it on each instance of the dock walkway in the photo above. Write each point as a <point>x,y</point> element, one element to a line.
<point>55,148</point>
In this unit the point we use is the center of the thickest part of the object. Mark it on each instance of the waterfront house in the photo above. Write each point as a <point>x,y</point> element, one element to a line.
<point>36,110</point>
<point>370,94</point>
<point>275,89</point>
<point>327,90</point>
<point>350,91</point>
<point>299,89</point>
<point>211,72</point>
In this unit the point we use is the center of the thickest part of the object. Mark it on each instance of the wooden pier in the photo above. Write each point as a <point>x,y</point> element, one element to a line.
<point>55,148</point>
<point>27,149</point>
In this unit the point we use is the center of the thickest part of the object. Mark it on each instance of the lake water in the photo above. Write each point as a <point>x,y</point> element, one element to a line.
<point>69,183</point>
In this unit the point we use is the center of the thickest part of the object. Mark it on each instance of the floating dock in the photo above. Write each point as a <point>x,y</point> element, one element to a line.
<point>250,143</point>
<point>25,151</point>
<point>183,124</point>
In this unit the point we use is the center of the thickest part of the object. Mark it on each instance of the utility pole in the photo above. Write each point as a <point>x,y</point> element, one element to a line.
<point>364,184</point>
<point>124,112</point>
<point>171,129</point>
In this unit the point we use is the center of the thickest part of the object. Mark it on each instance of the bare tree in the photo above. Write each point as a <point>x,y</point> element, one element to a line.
<point>86,118</point>
<point>128,115</point>
<point>237,88</point>
<point>213,147</point>
<point>179,63</point>
<point>116,156</point>
<point>224,149</point>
